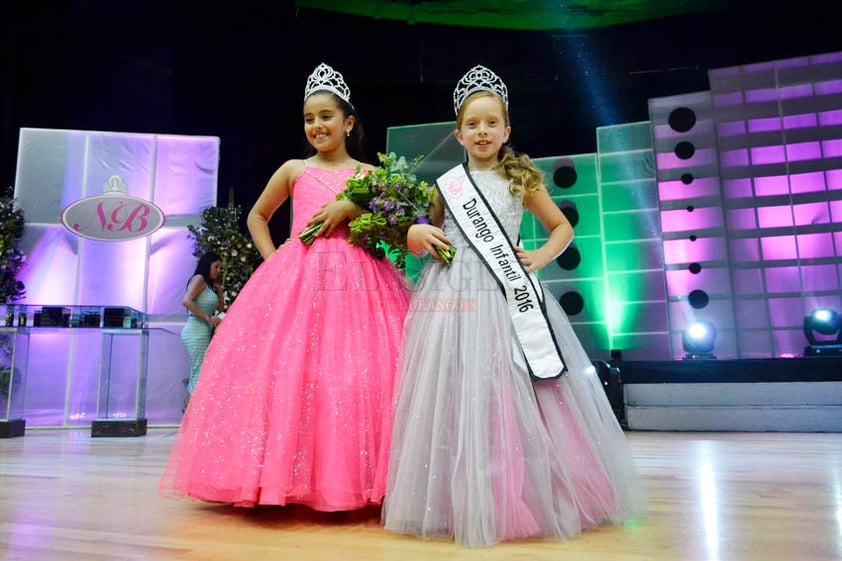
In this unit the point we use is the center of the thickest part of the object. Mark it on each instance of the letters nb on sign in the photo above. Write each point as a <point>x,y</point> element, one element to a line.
<point>112,216</point>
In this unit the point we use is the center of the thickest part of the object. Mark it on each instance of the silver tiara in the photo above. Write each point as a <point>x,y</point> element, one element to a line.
<point>479,79</point>
<point>325,78</point>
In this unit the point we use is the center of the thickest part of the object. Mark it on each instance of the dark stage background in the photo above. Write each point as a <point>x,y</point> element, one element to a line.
<point>237,70</point>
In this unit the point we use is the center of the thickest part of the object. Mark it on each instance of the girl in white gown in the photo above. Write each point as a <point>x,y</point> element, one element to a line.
<point>483,449</point>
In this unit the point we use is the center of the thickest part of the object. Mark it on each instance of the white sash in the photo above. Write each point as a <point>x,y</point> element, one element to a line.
<point>524,294</point>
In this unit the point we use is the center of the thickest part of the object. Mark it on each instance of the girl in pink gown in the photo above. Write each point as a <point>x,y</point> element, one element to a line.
<point>295,389</point>
<point>490,444</point>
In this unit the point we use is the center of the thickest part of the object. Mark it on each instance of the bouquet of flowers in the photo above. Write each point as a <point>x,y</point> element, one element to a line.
<point>396,199</point>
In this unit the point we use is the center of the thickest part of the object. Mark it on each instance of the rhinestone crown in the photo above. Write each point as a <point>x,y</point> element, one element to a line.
<point>479,79</point>
<point>325,78</point>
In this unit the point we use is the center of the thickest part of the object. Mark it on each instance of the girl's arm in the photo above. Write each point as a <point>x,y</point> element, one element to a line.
<point>277,190</point>
<point>426,237</point>
<point>541,205</point>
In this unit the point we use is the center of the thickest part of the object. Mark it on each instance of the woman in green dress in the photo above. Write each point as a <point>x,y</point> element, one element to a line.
<point>203,301</point>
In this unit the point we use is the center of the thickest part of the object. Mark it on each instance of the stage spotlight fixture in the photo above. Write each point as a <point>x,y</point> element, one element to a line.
<point>698,340</point>
<point>823,333</point>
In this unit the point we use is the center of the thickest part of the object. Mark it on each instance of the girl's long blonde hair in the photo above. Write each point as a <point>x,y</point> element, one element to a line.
<point>522,174</point>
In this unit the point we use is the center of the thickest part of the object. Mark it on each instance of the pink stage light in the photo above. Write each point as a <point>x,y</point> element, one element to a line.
<point>776,248</point>
<point>811,213</point>
<point>815,246</point>
<point>807,182</point>
<point>685,251</point>
<point>684,221</point>
<point>771,185</point>
<point>774,216</point>
<point>677,190</point>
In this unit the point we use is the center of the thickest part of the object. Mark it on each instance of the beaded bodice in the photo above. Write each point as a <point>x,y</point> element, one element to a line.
<point>507,207</point>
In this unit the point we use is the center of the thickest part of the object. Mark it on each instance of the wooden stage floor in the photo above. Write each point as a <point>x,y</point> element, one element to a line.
<point>713,496</point>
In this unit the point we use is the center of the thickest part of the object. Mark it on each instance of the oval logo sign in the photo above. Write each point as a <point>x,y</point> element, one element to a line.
<point>112,217</point>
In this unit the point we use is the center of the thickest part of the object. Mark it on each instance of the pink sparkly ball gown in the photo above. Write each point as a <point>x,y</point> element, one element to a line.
<point>294,396</point>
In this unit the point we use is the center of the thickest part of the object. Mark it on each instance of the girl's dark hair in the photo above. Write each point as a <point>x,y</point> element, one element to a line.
<point>354,142</point>
<point>204,265</point>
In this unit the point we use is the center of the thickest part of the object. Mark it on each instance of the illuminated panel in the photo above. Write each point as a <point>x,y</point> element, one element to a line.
<point>618,283</point>
<point>696,261</point>
<point>58,167</point>
<point>635,296</point>
<point>778,131</point>
<point>577,278</point>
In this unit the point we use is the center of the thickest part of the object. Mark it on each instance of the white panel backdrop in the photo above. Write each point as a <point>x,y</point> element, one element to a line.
<point>57,167</point>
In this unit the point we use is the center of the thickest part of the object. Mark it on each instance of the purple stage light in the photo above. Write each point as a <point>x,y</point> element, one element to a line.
<point>808,182</point>
<point>733,158</point>
<point>764,125</point>
<point>683,221</point>
<point>771,185</point>
<point>796,92</point>
<point>774,216</point>
<point>731,128</point>
<point>811,213</point>
<point>761,155</point>
<point>819,278</point>
<point>815,246</point>
<point>831,148</point>
<point>761,95</point>
<point>830,118</point>
<point>803,151</point>
<point>776,248</point>
<point>829,88</point>
<point>737,188</point>
<point>806,120</point>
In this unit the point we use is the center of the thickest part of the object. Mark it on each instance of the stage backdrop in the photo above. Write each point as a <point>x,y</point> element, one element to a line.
<point>57,168</point>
